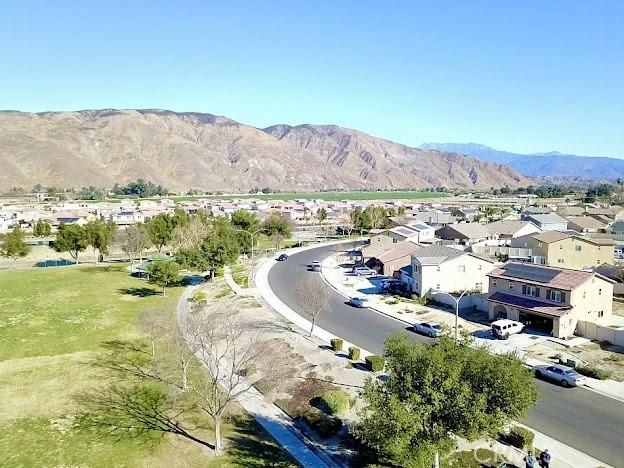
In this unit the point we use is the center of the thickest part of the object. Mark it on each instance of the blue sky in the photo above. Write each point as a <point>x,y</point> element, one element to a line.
<point>523,76</point>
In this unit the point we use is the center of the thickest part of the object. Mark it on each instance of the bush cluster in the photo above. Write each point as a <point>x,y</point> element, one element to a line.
<point>335,401</point>
<point>520,437</point>
<point>354,353</point>
<point>375,363</point>
<point>324,425</point>
<point>594,372</point>
<point>336,344</point>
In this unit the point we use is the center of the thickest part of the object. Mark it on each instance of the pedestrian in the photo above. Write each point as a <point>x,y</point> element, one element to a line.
<point>530,460</point>
<point>545,459</point>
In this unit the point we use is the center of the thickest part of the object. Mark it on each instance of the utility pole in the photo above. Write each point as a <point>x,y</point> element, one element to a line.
<point>457,301</point>
<point>252,234</point>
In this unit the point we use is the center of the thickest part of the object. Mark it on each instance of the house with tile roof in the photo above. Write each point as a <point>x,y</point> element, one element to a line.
<point>566,249</point>
<point>553,300</point>
<point>441,268</point>
<point>464,233</point>
<point>511,229</point>
<point>391,261</point>
<point>586,224</point>
<point>547,222</point>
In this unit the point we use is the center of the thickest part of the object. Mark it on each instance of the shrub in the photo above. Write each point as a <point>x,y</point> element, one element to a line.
<point>336,344</point>
<point>375,363</point>
<point>335,402</point>
<point>199,296</point>
<point>520,437</point>
<point>594,372</point>
<point>325,426</point>
<point>354,353</point>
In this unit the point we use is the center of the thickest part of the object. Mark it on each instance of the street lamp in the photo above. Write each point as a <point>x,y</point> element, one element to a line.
<point>251,234</point>
<point>457,301</point>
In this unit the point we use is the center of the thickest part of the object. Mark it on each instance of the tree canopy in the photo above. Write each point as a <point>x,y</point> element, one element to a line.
<point>42,228</point>
<point>435,391</point>
<point>100,235</point>
<point>277,228</point>
<point>245,221</point>
<point>140,188</point>
<point>13,245</point>
<point>160,229</point>
<point>163,273</point>
<point>71,238</point>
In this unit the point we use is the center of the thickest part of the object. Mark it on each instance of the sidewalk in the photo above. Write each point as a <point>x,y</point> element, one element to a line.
<point>351,286</point>
<point>269,416</point>
<point>563,455</point>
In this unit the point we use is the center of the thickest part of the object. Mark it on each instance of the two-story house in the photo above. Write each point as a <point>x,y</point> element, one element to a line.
<point>464,233</point>
<point>385,239</point>
<point>549,299</point>
<point>510,229</point>
<point>566,250</point>
<point>441,268</point>
<point>547,222</point>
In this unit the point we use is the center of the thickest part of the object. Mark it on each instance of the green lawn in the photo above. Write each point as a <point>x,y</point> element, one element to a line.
<point>52,322</point>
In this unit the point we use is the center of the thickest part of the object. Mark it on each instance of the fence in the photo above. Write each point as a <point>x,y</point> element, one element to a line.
<point>613,335</point>
<point>494,250</point>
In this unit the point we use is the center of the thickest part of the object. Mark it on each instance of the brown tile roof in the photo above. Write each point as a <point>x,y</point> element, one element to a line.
<point>559,278</point>
<point>586,222</point>
<point>530,304</point>
<point>550,236</point>
<point>402,249</point>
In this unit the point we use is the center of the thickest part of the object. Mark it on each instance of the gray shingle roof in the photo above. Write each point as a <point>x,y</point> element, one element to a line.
<point>436,254</point>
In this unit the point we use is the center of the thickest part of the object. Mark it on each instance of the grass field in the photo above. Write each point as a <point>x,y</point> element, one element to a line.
<point>52,323</point>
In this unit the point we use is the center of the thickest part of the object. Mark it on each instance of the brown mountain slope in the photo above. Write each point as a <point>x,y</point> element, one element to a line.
<point>192,150</point>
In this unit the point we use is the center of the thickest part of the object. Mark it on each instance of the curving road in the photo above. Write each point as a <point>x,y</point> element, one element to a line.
<point>577,417</point>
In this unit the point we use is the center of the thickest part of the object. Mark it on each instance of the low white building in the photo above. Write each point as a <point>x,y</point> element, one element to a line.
<point>448,269</point>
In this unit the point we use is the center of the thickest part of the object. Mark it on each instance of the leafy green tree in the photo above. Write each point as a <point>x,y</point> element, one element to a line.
<point>361,221</point>
<point>245,221</point>
<point>180,218</point>
<point>14,245</point>
<point>278,229</point>
<point>160,230</point>
<point>163,273</point>
<point>140,188</point>
<point>434,392</point>
<point>90,193</point>
<point>377,217</point>
<point>321,215</point>
<point>42,228</point>
<point>99,236</point>
<point>71,238</point>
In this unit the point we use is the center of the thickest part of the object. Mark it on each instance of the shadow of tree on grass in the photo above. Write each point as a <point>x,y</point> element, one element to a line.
<point>140,291</point>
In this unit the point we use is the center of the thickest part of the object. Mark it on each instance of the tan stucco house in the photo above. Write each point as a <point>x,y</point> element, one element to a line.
<point>551,299</point>
<point>566,250</point>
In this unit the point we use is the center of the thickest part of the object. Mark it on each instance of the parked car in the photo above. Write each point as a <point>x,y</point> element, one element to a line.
<point>315,265</point>
<point>566,376</point>
<point>363,270</point>
<point>430,329</point>
<point>394,286</point>
<point>282,258</point>
<point>504,328</point>
<point>359,302</point>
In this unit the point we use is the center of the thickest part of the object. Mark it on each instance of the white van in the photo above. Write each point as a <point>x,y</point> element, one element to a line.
<point>504,328</point>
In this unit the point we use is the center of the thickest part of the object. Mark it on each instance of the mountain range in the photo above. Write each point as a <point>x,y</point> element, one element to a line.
<point>194,150</point>
<point>552,165</point>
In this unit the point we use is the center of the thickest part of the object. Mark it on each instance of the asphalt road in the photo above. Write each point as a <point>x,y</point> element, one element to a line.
<point>576,417</point>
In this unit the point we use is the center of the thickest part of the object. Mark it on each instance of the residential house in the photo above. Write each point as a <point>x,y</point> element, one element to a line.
<point>382,240</point>
<point>548,298</point>
<point>547,222</point>
<point>125,218</point>
<point>435,218</point>
<point>585,224</point>
<point>566,250</point>
<point>536,210</point>
<point>391,261</point>
<point>617,228</point>
<point>442,268</point>
<point>467,214</point>
<point>464,233</point>
<point>511,229</point>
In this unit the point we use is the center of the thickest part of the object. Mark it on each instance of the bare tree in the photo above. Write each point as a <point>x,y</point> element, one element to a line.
<point>234,358</point>
<point>347,222</point>
<point>133,241</point>
<point>311,294</point>
<point>190,235</point>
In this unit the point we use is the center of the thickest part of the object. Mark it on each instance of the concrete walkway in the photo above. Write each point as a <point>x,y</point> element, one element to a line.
<point>277,423</point>
<point>563,456</point>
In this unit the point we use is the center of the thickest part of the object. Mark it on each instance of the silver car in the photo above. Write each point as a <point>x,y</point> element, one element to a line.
<point>566,376</point>
<point>363,270</point>
<point>430,329</point>
<point>360,302</point>
<point>315,265</point>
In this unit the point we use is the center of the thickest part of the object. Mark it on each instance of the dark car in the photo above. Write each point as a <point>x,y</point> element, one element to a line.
<point>282,258</point>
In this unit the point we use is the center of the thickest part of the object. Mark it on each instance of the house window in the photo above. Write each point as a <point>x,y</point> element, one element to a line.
<point>461,268</point>
<point>555,296</point>
<point>438,269</point>
<point>416,269</point>
<point>394,241</point>
<point>480,267</point>
<point>494,282</point>
<point>577,248</point>
<point>438,286</point>
<point>511,285</point>
<point>560,260</point>
<point>584,294</point>
<point>479,286</point>
<point>600,313</point>
<point>600,292</point>
<point>539,244</point>
<point>531,290</point>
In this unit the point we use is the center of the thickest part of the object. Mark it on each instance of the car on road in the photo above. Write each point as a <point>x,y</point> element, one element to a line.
<point>504,328</point>
<point>563,375</point>
<point>363,270</point>
<point>282,258</point>
<point>431,329</point>
<point>359,302</point>
<point>315,265</point>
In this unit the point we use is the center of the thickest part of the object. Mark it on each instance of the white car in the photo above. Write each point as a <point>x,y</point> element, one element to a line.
<point>504,328</point>
<point>431,329</point>
<point>359,302</point>
<point>315,265</point>
<point>363,270</point>
<point>566,376</point>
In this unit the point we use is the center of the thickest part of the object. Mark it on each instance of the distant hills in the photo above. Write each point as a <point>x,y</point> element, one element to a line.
<point>203,151</point>
<point>554,164</point>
